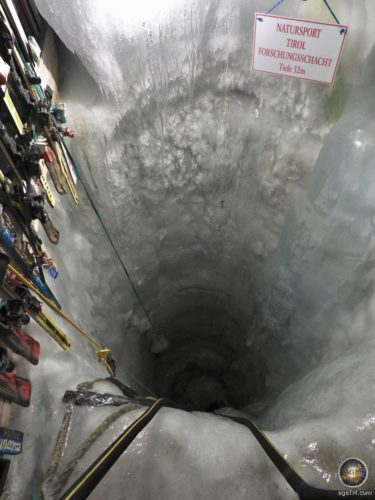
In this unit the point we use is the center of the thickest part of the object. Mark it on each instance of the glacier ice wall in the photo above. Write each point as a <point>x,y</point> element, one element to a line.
<point>223,186</point>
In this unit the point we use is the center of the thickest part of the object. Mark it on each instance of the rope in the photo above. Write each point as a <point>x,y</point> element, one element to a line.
<point>86,445</point>
<point>136,379</point>
<point>61,442</point>
<point>333,15</point>
<point>225,128</point>
<point>104,227</point>
<point>342,30</point>
<point>274,7</point>
<point>53,484</point>
<point>84,485</point>
<point>331,11</point>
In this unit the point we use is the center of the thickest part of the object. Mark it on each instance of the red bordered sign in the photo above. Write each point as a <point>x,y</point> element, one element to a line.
<point>297,48</point>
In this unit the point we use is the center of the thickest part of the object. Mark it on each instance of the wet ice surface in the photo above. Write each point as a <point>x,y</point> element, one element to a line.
<point>169,460</point>
<point>186,129</point>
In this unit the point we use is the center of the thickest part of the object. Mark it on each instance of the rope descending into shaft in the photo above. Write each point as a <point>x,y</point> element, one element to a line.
<point>104,227</point>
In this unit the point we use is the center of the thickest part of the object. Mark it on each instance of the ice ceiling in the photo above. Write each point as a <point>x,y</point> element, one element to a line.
<point>244,207</point>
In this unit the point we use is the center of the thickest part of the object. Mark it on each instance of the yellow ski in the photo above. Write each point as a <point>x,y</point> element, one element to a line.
<point>65,170</point>
<point>62,169</point>
<point>47,189</point>
<point>13,112</point>
<point>103,353</point>
<point>43,321</point>
<point>51,328</point>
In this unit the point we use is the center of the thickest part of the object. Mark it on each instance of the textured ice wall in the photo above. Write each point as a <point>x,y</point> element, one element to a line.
<point>92,291</point>
<point>186,129</point>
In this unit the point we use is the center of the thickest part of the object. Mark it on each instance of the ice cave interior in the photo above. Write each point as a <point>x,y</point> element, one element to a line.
<point>243,206</point>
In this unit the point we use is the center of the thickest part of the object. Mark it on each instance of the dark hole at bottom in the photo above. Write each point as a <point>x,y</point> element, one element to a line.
<point>204,385</point>
<point>203,359</point>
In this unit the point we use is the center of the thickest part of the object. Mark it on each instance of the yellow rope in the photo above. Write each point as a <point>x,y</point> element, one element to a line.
<point>102,353</point>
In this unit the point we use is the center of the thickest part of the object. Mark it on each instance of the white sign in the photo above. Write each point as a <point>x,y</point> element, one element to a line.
<point>297,48</point>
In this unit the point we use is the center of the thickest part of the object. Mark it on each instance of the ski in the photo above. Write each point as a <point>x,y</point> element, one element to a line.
<point>35,13</point>
<point>4,261</point>
<point>12,317</point>
<point>8,166</point>
<point>27,72</point>
<point>10,52</point>
<point>29,206</point>
<point>4,469</point>
<point>31,160</point>
<point>52,329</point>
<point>33,205</point>
<point>64,163</point>
<point>32,168</point>
<point>15,388</point>
<point>28,263</point>
<point>19,63</point>
<point>15,85</point>
<point>54,161</point>
<point>10,441</point>
<point>32,79</point>
<point>8,11</point>
<point>26,15</point>
<point>8,243</point>
<point>20,342</point>
<point>66,173</point>
<point>14,289</point>
<point>34,154</point>
<point>18,245</point>
<point>6,365</point>
<point>46,187</point>
<point>10,198</point>
<point>53,139</point>
<point>12,312</point>
<point>50,162</point>
<point>68,161</point>
<point>57,133</point>
<point>12,110</point>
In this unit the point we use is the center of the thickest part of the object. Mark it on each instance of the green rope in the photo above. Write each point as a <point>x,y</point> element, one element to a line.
<point>61,441</point>
<point>97,213</point>
<point>54,484</point>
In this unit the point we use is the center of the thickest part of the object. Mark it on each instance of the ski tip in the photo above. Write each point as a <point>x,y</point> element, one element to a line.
<point>24,390</point>
<point>15,388</point>
<point>34,353</point>
<point>4,259</point>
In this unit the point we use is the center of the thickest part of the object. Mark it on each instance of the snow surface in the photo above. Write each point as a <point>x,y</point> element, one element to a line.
<point>184,128</point>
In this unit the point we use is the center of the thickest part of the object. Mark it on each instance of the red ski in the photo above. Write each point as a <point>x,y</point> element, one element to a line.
<point>14,388</point>
<point>20,342</point>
